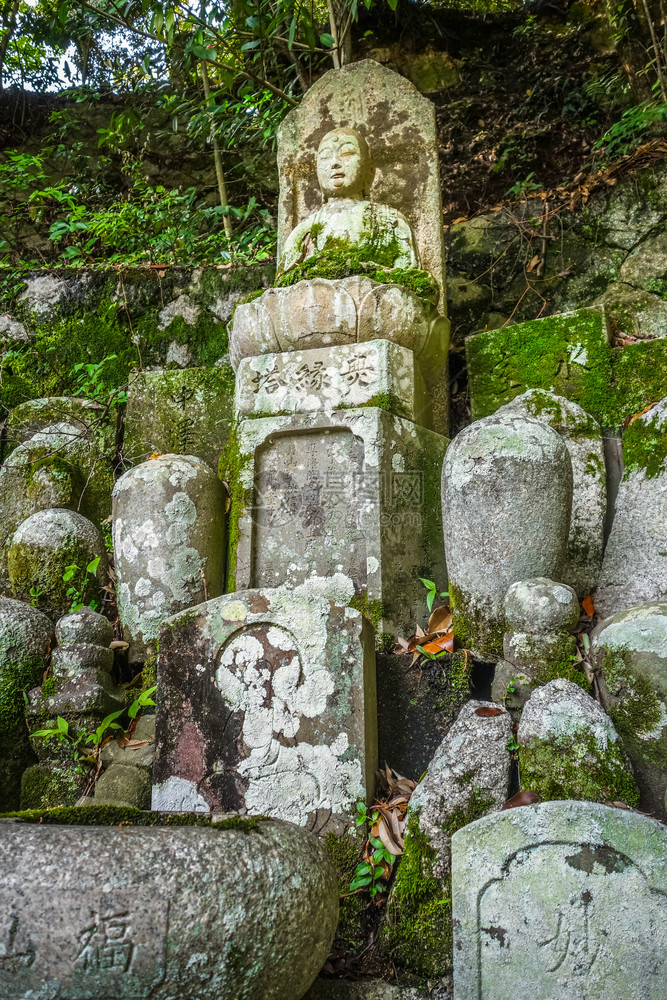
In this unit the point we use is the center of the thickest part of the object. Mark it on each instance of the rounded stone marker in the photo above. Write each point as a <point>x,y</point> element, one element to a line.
<point>169,543</point>
<point>44,547</point>
<point>541,605</point>
<point>246,910</point>
<point>85,625</point>
<point>506,502</point>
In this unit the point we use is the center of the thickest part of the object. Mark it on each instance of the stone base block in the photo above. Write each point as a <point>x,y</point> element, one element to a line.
<point>351,497</point>
<point>267,705</point>
<point>376,373</point>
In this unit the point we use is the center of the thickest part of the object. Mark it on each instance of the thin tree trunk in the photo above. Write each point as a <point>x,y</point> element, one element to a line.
<point>7,37</point>
<point>217,159</point>
<point>335,54</point>
<point>659,69</point>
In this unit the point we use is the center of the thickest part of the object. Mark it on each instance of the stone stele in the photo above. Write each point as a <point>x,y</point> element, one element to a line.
<point>182,412</point>
<point>399,124</point>
<point>125,914</point>
<point>560,900</point>
<point>267,705</point>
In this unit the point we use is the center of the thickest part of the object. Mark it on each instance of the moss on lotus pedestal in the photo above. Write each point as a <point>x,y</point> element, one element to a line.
<point>576,767</point>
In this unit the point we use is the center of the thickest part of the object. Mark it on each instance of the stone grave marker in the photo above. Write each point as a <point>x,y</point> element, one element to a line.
<point>179,411</point>
<point>267,705</point>
<point>560,900</point>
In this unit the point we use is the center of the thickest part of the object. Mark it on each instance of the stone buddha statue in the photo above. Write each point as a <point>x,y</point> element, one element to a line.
<point>349,272</point>
<point>348,222</point>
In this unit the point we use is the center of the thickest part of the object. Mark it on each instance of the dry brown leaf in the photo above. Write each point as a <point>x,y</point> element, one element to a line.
<point>461,218</point>
<point>525,798</point>
<point>489,711</point>
<point>440,620</point>
<point>135,744</point>
<point>533,264</point>
<point>156,454</point>
<point>641,413</point>
<point>119,644</point>
<point>440,643</point>
<point>588,606</point>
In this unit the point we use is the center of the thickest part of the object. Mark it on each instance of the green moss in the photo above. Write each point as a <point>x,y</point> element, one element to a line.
<point>575,767</point>
<point>451,687</point>
<point>473,629</point>
<point>345,855</point>
<point>570,356</point>
<point>477,806</point>
<point>645,447</point>
<point>417,932</point>
<point>128,816</point>
<point>43,570</point>
<point>388,401</point>
<point>375,257</point>
<point>17,674</point>
<point>637,712</point>
<point>230,469</point>
<point>375,611</point>
<point>49,786</point>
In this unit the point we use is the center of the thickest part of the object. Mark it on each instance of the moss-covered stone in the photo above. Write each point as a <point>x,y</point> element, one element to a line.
<point>472,627</point>
<point>574,766</point>
<point>53,785</point>
<point>230,470</point>
<point>345,261</point>
<point>645,446</point>
<point>417,932</point>
<point>345,854</point>
<point>568,355</point>
<point>636,710</point>
<point>182,412</point>
<point>91,815</point>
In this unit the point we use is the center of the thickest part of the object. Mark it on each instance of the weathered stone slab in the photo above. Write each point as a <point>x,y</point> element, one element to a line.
<point>169,536</point>
<point>267,705</point>
<point>91,418</point>
<point>583,440</point>
<point>399,125</point>
<point>630,649</point>
<point>506,499</point>
<point>560,899</point>
<point>634,568</point>
<point>164,912</point>
<point>180,412</point>
<point>566,354</point>
<point>341,377</point>
<point>354,493</point>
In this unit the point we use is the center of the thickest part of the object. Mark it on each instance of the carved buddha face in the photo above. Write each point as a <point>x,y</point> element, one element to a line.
<point>344,165</point>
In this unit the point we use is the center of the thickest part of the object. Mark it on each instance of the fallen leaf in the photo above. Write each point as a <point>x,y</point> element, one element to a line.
<point>135,744</point>
<point>442,642</point>
<point>533,264</point>
<point>641,413</point>
<point>440,620</point>
<point>461,218</point>
<point>588,606</point>
<point>119,644</point>
<point>521,799</point>
<point>156,454</point>
<point>489,712</point>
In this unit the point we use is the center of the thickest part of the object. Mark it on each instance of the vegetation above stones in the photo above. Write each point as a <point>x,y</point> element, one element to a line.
<point>91,815</point>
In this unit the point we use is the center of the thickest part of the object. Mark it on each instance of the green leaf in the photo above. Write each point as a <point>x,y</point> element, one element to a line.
<point>92,566</point>
<point>359,883</point>
<point>292,33</point>
<point>63,725</point>
<point>327,40</point>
